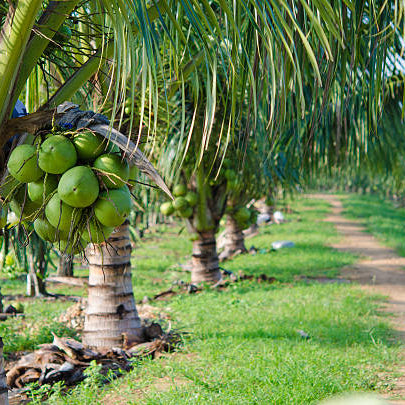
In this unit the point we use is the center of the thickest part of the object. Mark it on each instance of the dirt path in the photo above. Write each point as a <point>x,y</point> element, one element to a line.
<point>380,270</point>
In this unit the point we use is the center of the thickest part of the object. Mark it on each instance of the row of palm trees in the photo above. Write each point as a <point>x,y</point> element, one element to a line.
<point>206,88</point>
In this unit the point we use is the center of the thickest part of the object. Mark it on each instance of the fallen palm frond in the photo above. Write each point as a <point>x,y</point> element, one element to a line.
<point>66,360</point>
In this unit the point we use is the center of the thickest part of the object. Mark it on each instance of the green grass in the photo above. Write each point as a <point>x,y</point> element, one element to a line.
<point>244,345</point>
<point>20,334</point>
<point>310,257</point>
<point>380,217</point>
<point>246,348</point>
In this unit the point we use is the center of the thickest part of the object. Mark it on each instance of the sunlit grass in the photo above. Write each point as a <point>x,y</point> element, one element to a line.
<point>245,344</point>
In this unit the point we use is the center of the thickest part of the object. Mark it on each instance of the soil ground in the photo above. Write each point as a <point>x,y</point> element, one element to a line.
<point>380,270</point>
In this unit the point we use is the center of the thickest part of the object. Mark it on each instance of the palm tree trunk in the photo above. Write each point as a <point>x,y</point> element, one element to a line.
<point>65,267</point>
<point>205,263</point>
<point>37,268</point>
<point>111,310</point>
<point>3,383</point>
<point>234,242</point>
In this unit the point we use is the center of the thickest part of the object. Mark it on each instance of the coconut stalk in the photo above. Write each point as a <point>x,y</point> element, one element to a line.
<point>111,309</point>
<point>234,241</point>
<point>3,383</point>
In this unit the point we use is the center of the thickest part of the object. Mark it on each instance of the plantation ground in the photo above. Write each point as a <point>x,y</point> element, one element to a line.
<point>245,344</point>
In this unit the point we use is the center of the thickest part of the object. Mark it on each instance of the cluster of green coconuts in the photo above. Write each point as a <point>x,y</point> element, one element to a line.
<point>72,186</point>
<point>244,216</point>
<point>183,203</point>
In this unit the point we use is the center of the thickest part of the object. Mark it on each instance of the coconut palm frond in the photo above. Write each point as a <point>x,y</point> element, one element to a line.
<point>290,54</point>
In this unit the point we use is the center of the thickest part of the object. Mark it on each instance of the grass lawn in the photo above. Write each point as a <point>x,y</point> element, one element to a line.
<point>244,345</point>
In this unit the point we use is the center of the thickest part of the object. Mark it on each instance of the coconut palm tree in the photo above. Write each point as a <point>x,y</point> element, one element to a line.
<point>259,169</point>
<point>280,52</point>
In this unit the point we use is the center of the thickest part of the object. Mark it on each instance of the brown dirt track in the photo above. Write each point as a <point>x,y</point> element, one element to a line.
<point>380,270</point>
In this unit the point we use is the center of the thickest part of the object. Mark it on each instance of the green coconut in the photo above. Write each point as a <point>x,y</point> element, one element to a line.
<point>232,185</point>
<point>186,213</point>
<point>45,230</point>
<point>167,208</point>
<point>22,204</point>
<point>180,203</point>
<point>78,187</point>
<point>192,198</point>
<point>28,210</point>
<point>40,189</point>
<point>95,232</point>
<point>22,164</point>
<point>89,146</point>
<point>69,247</point>
<point>61,215</point>
<point>56,155</point>
<point>179,190</point>
<point>117,168</point>
<point>10,259</point>
<point>113,206</point>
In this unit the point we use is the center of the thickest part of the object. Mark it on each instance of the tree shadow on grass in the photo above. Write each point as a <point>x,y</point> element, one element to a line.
<point>365,207</point>
<point>322,332</point>
<point>305,259</point>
